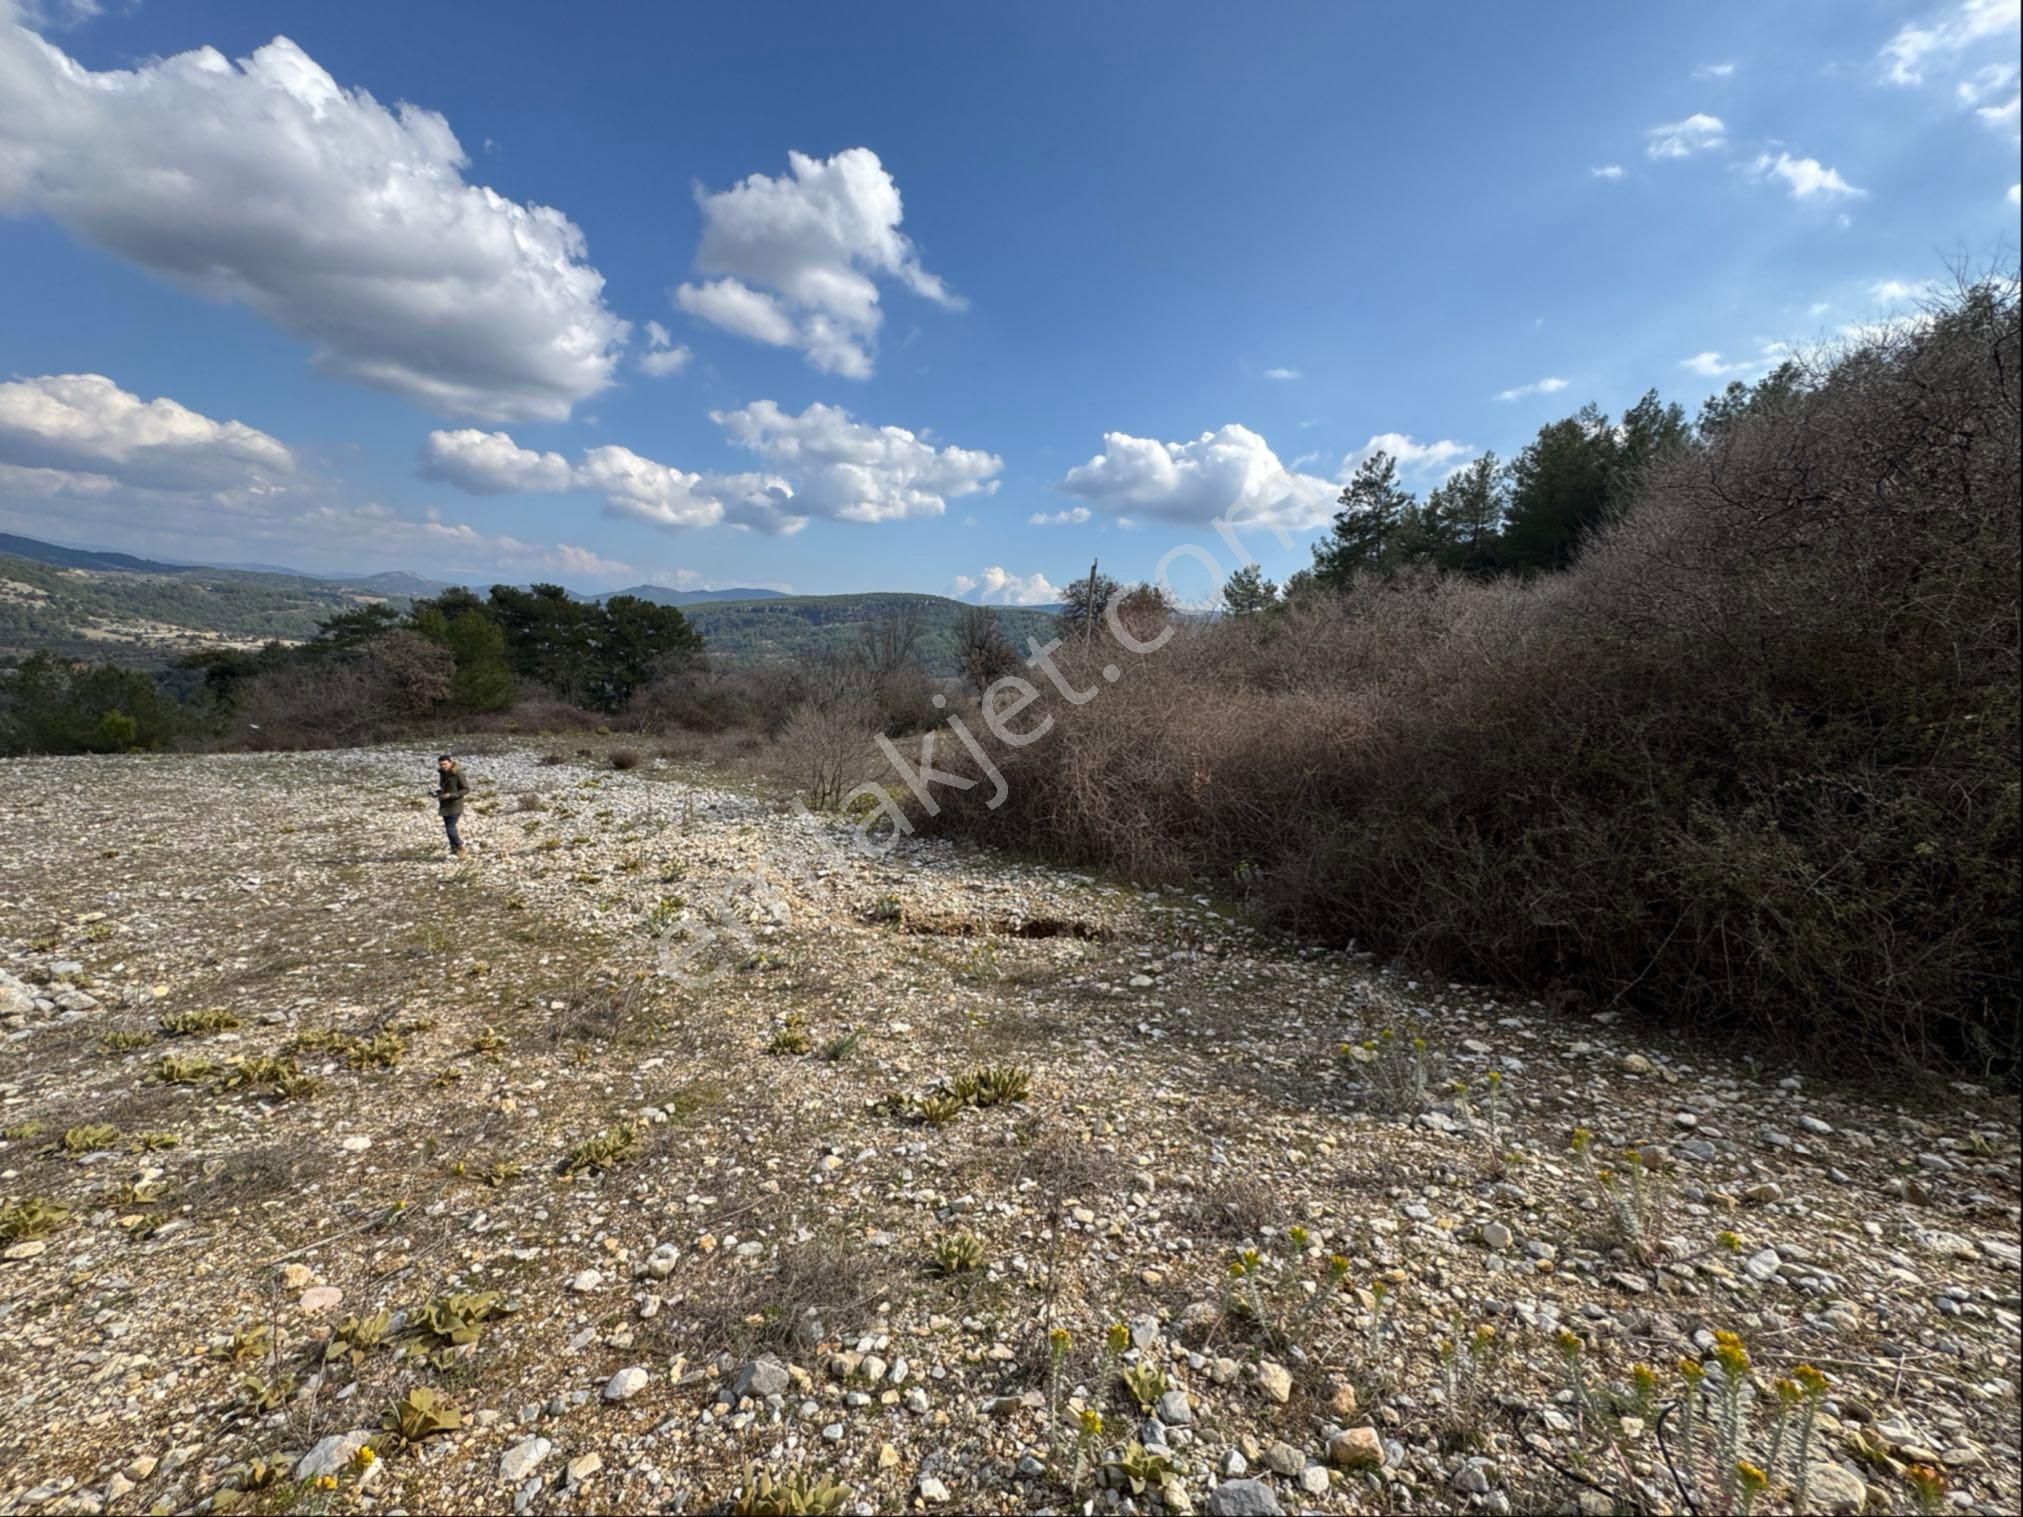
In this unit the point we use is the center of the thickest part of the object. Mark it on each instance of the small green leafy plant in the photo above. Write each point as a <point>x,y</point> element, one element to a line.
<point>938,1108</point>
<point>614,1146</point>
<point>269,1076</point>
<point>1144,1384</point>
<point>90,1138</point>
<point>184,1069</point>
<point>794,1494</point>
<point>382,1050</point>
<point>448,1326</point>
<point>420,1414</point>
<point>958,1253</point>
<point>791,1038</point>
<point>1141,1469</point>
<point>991,1085</point>
<point>33,1217</point>
<point>190,1024</point>
<point>357,1337</point>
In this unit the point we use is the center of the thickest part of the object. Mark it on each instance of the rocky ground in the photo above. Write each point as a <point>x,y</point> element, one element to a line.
<point>666,1155</point>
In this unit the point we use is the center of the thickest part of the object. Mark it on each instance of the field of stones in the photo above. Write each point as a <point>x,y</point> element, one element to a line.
<point>667,1153</point>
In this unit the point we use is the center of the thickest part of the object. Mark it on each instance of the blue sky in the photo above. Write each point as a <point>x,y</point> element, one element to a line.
<point>1123,268</point>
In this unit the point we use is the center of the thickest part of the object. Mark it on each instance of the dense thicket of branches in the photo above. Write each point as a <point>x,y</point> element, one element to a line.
<point>1751,762</point>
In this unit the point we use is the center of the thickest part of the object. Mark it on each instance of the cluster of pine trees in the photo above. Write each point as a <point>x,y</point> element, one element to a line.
<point>594,654</point>
<point>1527,516</point>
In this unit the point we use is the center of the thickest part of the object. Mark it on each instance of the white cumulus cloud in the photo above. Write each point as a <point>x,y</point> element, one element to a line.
<point>738,308</point>
<point>1002,587</point>
<point>1897,292</point>
<point>74,429</point>
<point>669,497</point>
<point>344,223</point>
<point>1714,71</point>
<point>82,458</point>
<point>491,463</point>
<point>1698,133</point>
<point>1074,516</point>
<point>1552,384</point>
<point>1607,171</point>
<point>1442,457</point>
<point>1805,178</point>
<point>820,463</point>
<point>1281,373</point>
<point>662,356</point>
<point>1231,473</point>
<point>1916,44</point>
<point>852,471</point>
<point>1711,365</point>
<point>796,260</point>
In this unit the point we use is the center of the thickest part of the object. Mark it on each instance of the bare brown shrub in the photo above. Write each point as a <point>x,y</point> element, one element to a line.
<point>826,749</point>
<point>813,1289</point>
<point>392,684</point>
<point>542,714</point>
<point>1751,764</point>
<point>709,695</point>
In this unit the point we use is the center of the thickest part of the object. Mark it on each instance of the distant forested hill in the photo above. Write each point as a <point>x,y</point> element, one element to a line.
<point>94,606</point>
<point>660,595</point>
<point>115,608</point>
<point>799,626</point>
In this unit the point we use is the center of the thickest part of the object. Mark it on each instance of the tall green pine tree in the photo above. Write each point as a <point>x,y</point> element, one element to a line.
<point>1373,507</point>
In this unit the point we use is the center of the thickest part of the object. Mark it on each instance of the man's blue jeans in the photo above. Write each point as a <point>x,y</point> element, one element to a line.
<point>450,826</point>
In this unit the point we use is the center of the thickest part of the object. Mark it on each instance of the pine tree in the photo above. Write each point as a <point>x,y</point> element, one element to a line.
<point>1468,510</point>
<point>482,681</point>
<point>1560,490</point>
<point>1372,508</point>
<point>1247,592</point>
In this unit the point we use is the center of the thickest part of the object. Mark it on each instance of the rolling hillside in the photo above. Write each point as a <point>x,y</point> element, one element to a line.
<point>799,626</point>
<point>660,595</point>
<point>113,609</point>
<point>143,613</point>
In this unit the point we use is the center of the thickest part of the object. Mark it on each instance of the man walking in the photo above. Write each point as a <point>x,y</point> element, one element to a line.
<point>450,793</point>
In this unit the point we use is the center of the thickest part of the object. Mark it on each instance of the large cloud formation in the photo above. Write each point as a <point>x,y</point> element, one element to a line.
<point>342,222</point>
<point>491,463</point>
<point>852,471</point>
<point>999,586</point>
<point>1231,474</point>
<point>797,259</point>
<point>81,458</point>
<point>669,497</point>
<point>820,463</point>
<point>82,432</point>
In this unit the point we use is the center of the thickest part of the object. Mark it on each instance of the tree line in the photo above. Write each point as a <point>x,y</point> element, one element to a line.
<point>1530,515</point>
<point>365,671</point>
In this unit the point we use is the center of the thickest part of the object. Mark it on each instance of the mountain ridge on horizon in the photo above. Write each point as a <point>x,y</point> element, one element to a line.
<point>100,604</point>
